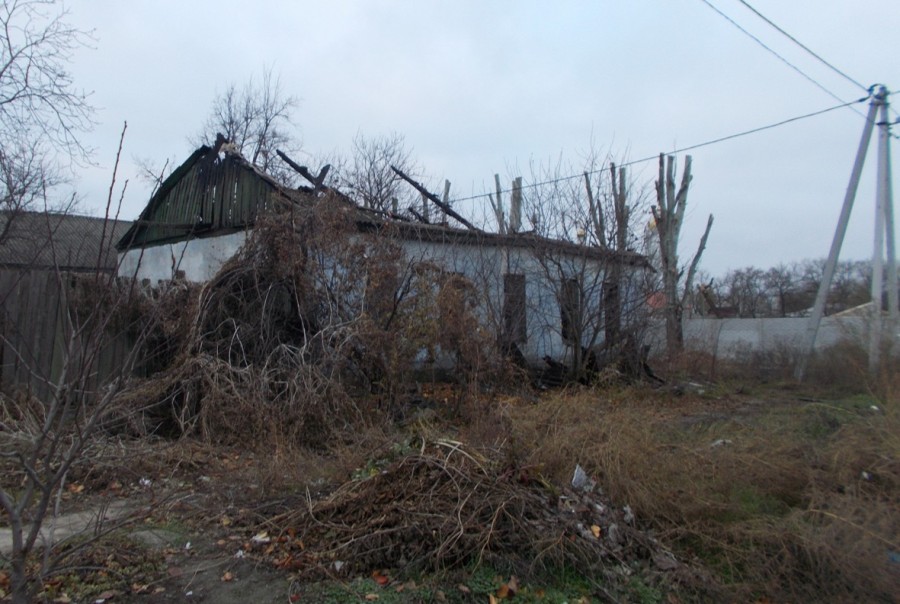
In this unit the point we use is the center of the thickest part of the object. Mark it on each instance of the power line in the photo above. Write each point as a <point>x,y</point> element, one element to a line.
<point>810,51</point>
<point>803,46</point>
<point>806,76</point>
<point>681,150</point>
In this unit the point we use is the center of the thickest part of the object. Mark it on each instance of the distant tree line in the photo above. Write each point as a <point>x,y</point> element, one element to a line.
<point>784,290</point>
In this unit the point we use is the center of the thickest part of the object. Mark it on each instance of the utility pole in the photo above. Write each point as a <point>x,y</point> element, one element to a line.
<point>883,230</point>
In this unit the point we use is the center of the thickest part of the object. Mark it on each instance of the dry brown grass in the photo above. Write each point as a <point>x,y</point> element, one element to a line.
<point>774,501</point>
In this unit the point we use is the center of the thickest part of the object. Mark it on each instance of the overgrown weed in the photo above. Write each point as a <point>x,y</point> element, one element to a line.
<point>791,502</point>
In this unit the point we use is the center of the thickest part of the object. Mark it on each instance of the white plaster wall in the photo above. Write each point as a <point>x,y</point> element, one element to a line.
<point>200,259</point>
<point>485,267</point>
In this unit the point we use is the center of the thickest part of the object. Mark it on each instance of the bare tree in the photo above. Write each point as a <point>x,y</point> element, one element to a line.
<point>257,119</point>
<point>669,216</point>
<point>747,292</point>
<point>42,113</point>
<point>44,436</point>
<point>26,175</point>
<point>368,177</point>
<point>596,306</point>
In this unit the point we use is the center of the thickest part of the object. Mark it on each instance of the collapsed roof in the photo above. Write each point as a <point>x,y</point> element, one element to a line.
<point>217,191</point>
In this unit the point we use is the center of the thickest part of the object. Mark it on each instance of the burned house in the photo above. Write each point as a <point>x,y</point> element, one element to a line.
<point>539,297</point>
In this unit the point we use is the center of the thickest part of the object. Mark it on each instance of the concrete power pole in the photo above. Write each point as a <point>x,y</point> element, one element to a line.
<point>884,232</point>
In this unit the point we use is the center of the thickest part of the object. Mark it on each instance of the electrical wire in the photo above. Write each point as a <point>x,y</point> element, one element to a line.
<point>714,141</point>
<point>806,76</point>
<point>818,57</point>
<point>803,46</point>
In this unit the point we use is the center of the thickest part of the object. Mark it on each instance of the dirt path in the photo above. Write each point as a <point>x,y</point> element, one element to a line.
<point>66,526</point>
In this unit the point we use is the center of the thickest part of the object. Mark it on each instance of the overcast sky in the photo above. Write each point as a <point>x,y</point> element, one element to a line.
<point>480,87</point>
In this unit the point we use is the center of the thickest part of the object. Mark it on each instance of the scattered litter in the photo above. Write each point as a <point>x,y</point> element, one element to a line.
<point>665,561</point>
<point>875,408</point>
<point>187,546</point>
<point>865,475</point>
<point>720,442</point>
<point>613,535</point>
<point>338,565</point>
<point>262,537</point>
<point>581,480</point>
<point>239,554</point>
<point>145,482</point>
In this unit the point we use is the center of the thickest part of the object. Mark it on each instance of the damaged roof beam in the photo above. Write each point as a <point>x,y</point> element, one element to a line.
<point>434,198</point>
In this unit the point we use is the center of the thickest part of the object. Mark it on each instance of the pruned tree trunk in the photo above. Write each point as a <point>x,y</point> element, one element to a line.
<point>669,216</point>
<point>612,287</point>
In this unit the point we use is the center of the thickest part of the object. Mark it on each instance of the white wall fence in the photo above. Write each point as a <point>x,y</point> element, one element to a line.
<point>735,338</point>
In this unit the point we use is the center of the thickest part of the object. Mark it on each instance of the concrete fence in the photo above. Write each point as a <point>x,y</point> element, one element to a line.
<point>734,338</point>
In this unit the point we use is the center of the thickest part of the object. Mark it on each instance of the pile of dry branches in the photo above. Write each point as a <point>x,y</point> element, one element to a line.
<point>446,507</point>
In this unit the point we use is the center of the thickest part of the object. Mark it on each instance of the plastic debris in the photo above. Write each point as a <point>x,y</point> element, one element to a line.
<point>582,481</point>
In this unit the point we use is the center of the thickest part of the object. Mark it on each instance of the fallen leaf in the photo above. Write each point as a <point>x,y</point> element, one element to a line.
<point>503,592</point>
<point>380,578</point>
<point>492,599</point>
<point>440,596</point>
<point>225,521</point>
<point>463,588</point>
<point>228,576</point>
<point>371,597</point>
<point>596,530</point>
<point>74,487</point>
<point>108,594</point>
<point>513,585</point>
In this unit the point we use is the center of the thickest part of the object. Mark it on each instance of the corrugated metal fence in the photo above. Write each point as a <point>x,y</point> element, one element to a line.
<point>35,329</point>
